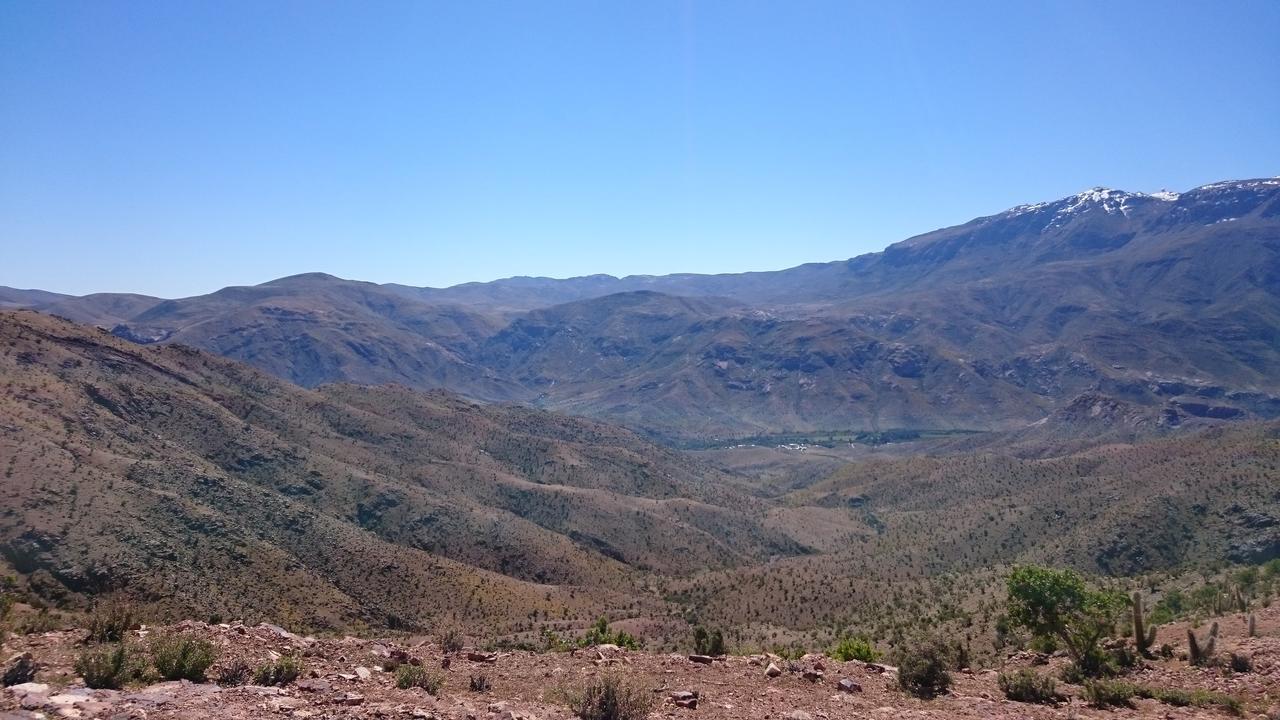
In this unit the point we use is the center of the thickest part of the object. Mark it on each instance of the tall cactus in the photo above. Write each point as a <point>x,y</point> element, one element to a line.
<point>1253,626</point>
<point>1143,636</point>
<point>1202,655</point>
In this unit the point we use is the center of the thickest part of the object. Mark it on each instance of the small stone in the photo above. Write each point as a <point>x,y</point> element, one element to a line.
<point>690,703</point>
<point>482,657</point>
<point>773,670</point>
<point>351,699</point>
<point>848,686</point>
<point>363,673</point>
<point>797,715</point>
<point>702,659</point>
<point>316,685</point>
<point>812,675</point>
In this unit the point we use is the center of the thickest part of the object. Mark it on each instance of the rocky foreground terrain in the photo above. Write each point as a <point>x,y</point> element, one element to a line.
<point>348,677</point>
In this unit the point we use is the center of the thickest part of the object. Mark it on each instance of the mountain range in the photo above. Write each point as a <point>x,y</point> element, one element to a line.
<point>1167,302</point>
<point>199,486</point>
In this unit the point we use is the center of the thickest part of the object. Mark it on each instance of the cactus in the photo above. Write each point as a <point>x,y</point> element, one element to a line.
<point>1241,604</point>
<point>1143,636</point>
<point>1253,626</point>
<point>1202,655</point>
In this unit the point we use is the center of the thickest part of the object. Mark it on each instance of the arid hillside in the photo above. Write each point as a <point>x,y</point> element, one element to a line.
<point>199,483</point>
<point>912,546</point>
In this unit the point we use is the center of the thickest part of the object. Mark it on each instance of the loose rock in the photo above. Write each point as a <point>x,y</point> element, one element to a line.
<point>849,686</point>
<point>20,668</point>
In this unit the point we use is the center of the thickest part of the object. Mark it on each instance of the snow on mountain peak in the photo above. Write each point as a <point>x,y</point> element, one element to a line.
<point>1106,199</point>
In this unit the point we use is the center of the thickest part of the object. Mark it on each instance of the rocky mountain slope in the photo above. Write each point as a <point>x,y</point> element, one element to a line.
<point>1168,301</point>
<point>197,482</point>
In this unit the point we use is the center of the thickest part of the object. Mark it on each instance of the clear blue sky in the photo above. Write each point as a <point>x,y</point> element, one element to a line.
<point>176,147</point>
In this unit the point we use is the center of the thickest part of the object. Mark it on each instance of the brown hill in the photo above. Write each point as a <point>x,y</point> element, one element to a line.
<point>204,485</point>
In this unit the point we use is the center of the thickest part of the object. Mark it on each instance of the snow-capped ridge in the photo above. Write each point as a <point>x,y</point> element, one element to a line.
<point>1107,199</point>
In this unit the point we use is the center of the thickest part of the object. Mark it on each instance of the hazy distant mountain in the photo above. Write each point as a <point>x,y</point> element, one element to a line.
<point>1167,301</point>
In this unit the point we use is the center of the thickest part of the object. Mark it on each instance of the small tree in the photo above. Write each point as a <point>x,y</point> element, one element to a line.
<point>1058,604</point>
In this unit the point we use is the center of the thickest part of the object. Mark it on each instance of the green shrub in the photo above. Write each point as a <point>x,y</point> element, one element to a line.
<point>1109,693</point>
<point>451,641</point>
<point>1124,657</point>
<point>552,642</point>
<point>416,676</point>
<point>1192,698</point>
<point>110,622</point>
<point>281,672</point>
<point>237,673</point>
<point>1070,673</point>
<point>1058,604</point>
<point>793,652</point>
<point>180,658</point>
<point>923,671</point>
<point>6,608</point>
<point>108,667</point>
<point>707,642</point>
<point>609,698</point>
<point>600,634</point>
<point>479,683</point>
<point>1169,608</point>
<point>42,622</point>
<point>854,648</point>
<point>1046,644</point>
<point>1028,686</point>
